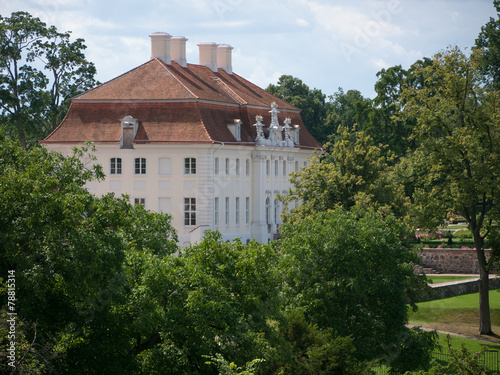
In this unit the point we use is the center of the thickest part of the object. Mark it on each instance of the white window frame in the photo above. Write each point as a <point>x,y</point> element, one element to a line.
<point>140,166</point>
<point>216,166</point>
<point>228,167</point>
<point>115,166</point>
<point>189,211</point>
<point>189,166</point>
<point>237,210</point>
<point>226,213</point>
<point>216,211</point>
<point>247,167</point>
<point>140,200</point>
<point>247,210</point>
<point>237,167</point>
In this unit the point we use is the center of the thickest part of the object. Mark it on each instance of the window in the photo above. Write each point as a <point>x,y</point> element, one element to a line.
<point>140,165</point>
<point>305,164</point>
<point>296,166</point>
<point>164,167</point>
<point>247,210</point>
<point>129,127</point>
<point>237,167</point>
<point>140,201</point>
<point>276,167</point>
<point>296,134</point>
<point>247,167</point>
<point>235,129</point>
<point>268,167</point>
<point>189,166</point>
<point>189,211</point>
<point>268,215</point>
<point>284,168</point>
<point>116,166</point>
<point>227,166</point>
<point>237,210</point>
<point>216,166</point>
<point>276,211</point>
<point>216,211</point>
<point>227,211</point>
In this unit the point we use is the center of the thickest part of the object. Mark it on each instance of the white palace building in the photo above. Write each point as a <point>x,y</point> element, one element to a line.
<point>196,141</point>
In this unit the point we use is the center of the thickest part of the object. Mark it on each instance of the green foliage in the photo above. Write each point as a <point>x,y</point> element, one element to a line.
<point>461,362</point>
<point>458,131</point>
<point>412,352</point>
<point>489,41</point>
<point>68,248</point>
<point>347,111</point>
<point>33,100</point>
<point>463,233</point>
<point>350,273</point>
<point>314,351</point>
<point>352,172</point>
<point>226,368</point>
<point>311,102</point>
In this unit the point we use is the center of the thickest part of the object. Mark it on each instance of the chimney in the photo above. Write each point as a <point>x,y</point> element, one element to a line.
<point>160,46</point>
<point>208,55</point>
<point>178,50</point>
<point>224,58</point>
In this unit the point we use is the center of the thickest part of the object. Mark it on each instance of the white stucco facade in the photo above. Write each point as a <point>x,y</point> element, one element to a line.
<point>235,188</point>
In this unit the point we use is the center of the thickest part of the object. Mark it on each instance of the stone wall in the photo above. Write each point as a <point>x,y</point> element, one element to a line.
<point>459,288</point>
<point>451,260</point>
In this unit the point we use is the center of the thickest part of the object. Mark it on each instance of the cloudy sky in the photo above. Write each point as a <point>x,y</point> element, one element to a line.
<point>326,43</point>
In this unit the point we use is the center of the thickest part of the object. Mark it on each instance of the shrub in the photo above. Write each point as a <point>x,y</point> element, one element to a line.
<point>463,233</point>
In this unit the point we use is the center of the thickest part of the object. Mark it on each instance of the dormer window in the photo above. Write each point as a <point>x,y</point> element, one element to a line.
<point>296,137</point>
<point>235,129</point>
<point>129,127</point>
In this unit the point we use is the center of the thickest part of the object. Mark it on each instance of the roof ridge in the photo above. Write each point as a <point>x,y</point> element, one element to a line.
<point>176,78</point>
<point>223,85</point>
<point>111,80</point>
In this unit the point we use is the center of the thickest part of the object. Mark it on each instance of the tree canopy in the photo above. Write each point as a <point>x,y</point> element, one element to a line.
<point>40,70</point>
<point>489,41</point>
<point>457,129</point>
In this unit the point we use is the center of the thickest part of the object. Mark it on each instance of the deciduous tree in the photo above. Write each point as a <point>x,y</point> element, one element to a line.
<point>350,274</point>
<point>458,157</point>
<point>40,70</point>
<point>489,41</point>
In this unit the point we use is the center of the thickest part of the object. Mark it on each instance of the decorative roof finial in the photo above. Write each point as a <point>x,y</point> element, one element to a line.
<point>260,139</point>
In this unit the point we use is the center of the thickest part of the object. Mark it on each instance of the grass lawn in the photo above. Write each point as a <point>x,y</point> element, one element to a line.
<point>471,344</point>
<point>437,279</point>
<point>455,226</point>
<point>458,314</point>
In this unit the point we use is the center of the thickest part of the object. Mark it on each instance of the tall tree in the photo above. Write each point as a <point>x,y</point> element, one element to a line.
<point>349,273</point>
<point>351,172</point>
<point>384,125</point>
<point>311,102</point>
<point>346,111</point>
<point>66,248</point>
<point>489,41</point>
<point>458,158</point>
<point>40,69</point>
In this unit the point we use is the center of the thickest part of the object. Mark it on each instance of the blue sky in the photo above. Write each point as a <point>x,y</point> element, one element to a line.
<point>327,44</point>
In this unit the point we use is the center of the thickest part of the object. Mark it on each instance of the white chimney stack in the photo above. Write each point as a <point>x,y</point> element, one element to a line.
<point>160,46</point>
<point>208,55</point>
<point>178,50</point>
<point>224,58</point>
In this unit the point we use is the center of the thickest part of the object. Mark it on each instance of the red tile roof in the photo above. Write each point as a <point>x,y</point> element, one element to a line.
<point>173,104</point>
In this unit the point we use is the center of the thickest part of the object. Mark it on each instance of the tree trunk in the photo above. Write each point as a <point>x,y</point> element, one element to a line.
<point>484,290</point>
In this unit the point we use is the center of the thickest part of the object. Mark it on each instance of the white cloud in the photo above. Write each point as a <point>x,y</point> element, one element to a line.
<point>301,22</point>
